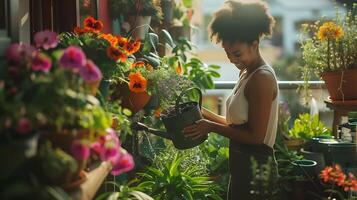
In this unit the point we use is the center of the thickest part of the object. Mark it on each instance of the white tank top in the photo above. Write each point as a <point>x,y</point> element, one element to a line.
<point>237,107</point>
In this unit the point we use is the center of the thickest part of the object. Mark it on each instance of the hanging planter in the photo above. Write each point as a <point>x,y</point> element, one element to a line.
<point>130,100</point>
<point>341,85</point>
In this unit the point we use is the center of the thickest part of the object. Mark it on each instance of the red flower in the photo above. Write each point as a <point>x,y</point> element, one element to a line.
<point>333,175</point>
<point>92,24</point>
<point>122,41</point>
<point>79,31</point>
<point>131,48</point>
<point>350,183</point>
<point>115,54</point>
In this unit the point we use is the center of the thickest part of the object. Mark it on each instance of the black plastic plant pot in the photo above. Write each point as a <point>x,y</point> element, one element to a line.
<point>343,154</point>
<point>305,168</point>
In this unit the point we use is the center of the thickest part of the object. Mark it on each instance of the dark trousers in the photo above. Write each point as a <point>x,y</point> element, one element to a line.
<point>240,166</point>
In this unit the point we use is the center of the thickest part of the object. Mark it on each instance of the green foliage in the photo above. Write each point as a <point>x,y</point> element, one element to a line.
<point>264,180</point>
<point>194,69</point>
<point>125,192</point>
<point>135,7</point>
<point>95,48</point>
<point>55,163</point>
<point>331,54</point>
<point>215,153</point>
<point>170,182</point>
<point>307,127</point>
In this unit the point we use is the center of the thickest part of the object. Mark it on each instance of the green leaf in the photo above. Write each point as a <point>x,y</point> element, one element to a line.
<point>214,66</point>
<point>187,3</point>
<point>167,37</point>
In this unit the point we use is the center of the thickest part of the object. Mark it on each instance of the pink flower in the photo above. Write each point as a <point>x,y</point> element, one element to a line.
<point>108,146</point>
<point>124,163</point>
<point>19,52</point>
<point>80,150</point>
<point>41,62</point>
<point>24,126</point>
<point>46,39</point>
<point>90,72</point>
<point>73,58</point>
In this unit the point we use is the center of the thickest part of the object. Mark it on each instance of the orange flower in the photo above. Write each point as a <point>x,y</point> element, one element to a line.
<point>179,68</point>
<point>79,31</point>
<point>333,175</point>
<point>116,54</point>
<point>350,183</point>
<point>92,24</point>
<point>110,38</point>
<point>131,48</point>
<point>157,112</point>
<point>149,67</point>
<point>138,64</point>
<point>137,83</point>
<point>122,41</point>
<point>329,30</point>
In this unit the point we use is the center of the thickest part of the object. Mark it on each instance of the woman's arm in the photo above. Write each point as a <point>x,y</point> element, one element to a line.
<point>259,95</point>
<point>207,114</point>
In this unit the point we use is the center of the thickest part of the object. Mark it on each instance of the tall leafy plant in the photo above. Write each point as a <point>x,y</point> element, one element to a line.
<point>170,182</point>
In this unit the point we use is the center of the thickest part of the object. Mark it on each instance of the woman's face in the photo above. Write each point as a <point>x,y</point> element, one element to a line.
<point>241,54</point>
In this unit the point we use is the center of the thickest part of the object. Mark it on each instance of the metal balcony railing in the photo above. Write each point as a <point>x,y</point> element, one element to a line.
<point>289,85</point>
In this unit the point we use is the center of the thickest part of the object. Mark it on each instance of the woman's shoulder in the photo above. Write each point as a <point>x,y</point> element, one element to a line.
<point>263,79</point>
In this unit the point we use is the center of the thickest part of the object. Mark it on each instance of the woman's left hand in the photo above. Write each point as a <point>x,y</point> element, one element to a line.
<point>199,129</point>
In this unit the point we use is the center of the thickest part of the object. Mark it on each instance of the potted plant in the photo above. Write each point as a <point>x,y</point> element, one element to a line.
<point>109,52</point>
<point>139,14</point>
<point>182,16</point>
<point>305,127</point>
<point>330,53</point>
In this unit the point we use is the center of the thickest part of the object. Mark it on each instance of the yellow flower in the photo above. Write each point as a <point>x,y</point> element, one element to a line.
<point>329,30</point>
<point>137,83</point>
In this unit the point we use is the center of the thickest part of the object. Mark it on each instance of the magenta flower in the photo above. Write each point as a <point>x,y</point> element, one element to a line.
<point>124,163</point>
<point>80,150</point>
<point>73,58</point>
<point>41,62</point>
<point>108,146</point>
<point>24,126</point>
<point>90,72</point>
<point>46,39</point>
<point>19,52</point>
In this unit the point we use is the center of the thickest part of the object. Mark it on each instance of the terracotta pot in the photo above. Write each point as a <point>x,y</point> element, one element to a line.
<point>80,178</point>
<point>341,86</point>
<point>64,139</point>
<point>130,100</point>
<point>178,32</point>
<point>294,144</point>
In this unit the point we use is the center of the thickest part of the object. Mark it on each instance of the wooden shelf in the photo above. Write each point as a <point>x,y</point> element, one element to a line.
<point>94,180</point>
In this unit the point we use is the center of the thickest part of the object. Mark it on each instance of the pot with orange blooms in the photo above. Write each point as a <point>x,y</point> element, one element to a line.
<point>111,53</point>
<point>339,184</point>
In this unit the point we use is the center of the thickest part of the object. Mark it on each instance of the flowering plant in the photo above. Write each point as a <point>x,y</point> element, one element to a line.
<point>109,52</point>
<point>48,87</point>
<point>342,185</point>
<point>333,46</point>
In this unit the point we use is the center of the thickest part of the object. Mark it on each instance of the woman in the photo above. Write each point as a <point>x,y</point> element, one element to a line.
<point>252,108</point>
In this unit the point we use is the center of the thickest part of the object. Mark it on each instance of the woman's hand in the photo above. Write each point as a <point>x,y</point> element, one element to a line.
<point>199,129</point>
